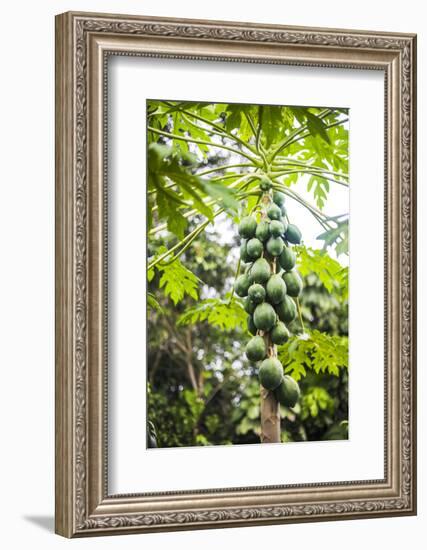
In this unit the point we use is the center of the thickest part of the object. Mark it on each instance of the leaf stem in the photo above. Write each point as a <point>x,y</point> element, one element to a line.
<point>285,142</point>
<point>318,174</point>
<point>201,142</point>
<point>338,123</point>
<point>214,125</point>
<point>316,213</point>
<point>290,162</point>
<point>194,211</point>
<point>224,167</point>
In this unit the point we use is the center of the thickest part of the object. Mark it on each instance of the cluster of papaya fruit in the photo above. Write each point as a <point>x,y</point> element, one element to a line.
<point>269,285</point>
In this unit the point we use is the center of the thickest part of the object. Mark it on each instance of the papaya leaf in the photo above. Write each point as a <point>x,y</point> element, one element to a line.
<point>177,281</point>
<point>318,351</point>
<point>330,272</point>
<point>315,400</point>
<point>177,224</point>
<point>271,124</point>
<point>234,115</point>
<point>337,236</point>
<point>217,313</point>
<point>320,187</point>
<point>153,303</point>
<point>219,191</point>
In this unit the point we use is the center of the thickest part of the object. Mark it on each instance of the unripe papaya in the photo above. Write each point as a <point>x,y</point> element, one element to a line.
<point>293,234</point>
<point>243,252</point>
<point>279,334</point>
<point>265,184</point>
<point>264,316</point>
<point>247,227</point>
<point>288,392</point>
<point>275,246</point>
<point>271,373</point>
<point>254,248</point>
<point>262,231</point>
<point>276,289</point>
<point>256,349</point>
<point>286,310</point>
<point>249,305</point>
<point>256,293</point>
<point>251,325</point>
<point>274,212</point>
<point>293,283</point>
<point>242,285</point>
<point>277,229</point>
<point>278,198</point>
<point>285,223</point>
<point>287,259</point>
<point>260,271</point>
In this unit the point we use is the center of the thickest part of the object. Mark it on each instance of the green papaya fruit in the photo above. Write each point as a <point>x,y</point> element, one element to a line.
<point>247,227</point>
<point>264,316</point>
<point>279,334</point>
<point>260,271</point>
<point>277,229</point>
<point>249,305</point>
<point>288,392</point>
<point>265,184</point>
<point>243,252</point>
<point>274,212</point>
<point>293,234</point>
<point>276,289</point>
<point>293,283</point>
<point>285,225</point>
<point>256,293</point>
<point>287,259</point>
<point>242,284</point>
<point>263,231</point>
<point>278,198</point>
<point>254,248</point>
<point>270,373</point>
<point>275,246</point>
<point>256,349</point>
<point>251,325</point>
<point>286,310</point>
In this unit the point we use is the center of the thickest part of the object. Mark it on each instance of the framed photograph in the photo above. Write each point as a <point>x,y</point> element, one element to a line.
<point>235,274</point>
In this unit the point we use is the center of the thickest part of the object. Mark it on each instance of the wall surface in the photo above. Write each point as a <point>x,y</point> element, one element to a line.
<point>27,274</point>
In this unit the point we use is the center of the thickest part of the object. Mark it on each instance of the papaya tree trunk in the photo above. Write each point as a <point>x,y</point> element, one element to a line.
<point>270,408</point>
<point>270,417</point>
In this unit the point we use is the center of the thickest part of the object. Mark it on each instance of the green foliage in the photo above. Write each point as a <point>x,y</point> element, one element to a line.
<point>205,163</point>
<point>330,272</point>
<point>176,280</point>
<point>336,236</point>
<point>226,315</point>
<point>185,138</point>
<point>153,303</point>
<point>318,351</point>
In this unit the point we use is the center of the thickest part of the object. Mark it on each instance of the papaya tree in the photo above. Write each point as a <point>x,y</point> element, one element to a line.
<point>211,162</point>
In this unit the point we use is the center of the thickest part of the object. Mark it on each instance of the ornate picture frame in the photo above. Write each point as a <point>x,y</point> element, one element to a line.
<point>83,43</point>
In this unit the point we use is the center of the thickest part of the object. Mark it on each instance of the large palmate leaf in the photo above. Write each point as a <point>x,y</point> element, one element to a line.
<point>177,188</point>
<point>216,312</point>
<point>331,273</point>
<point>176,280</point>
<point>336,236</point>
<point>318,351</point>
